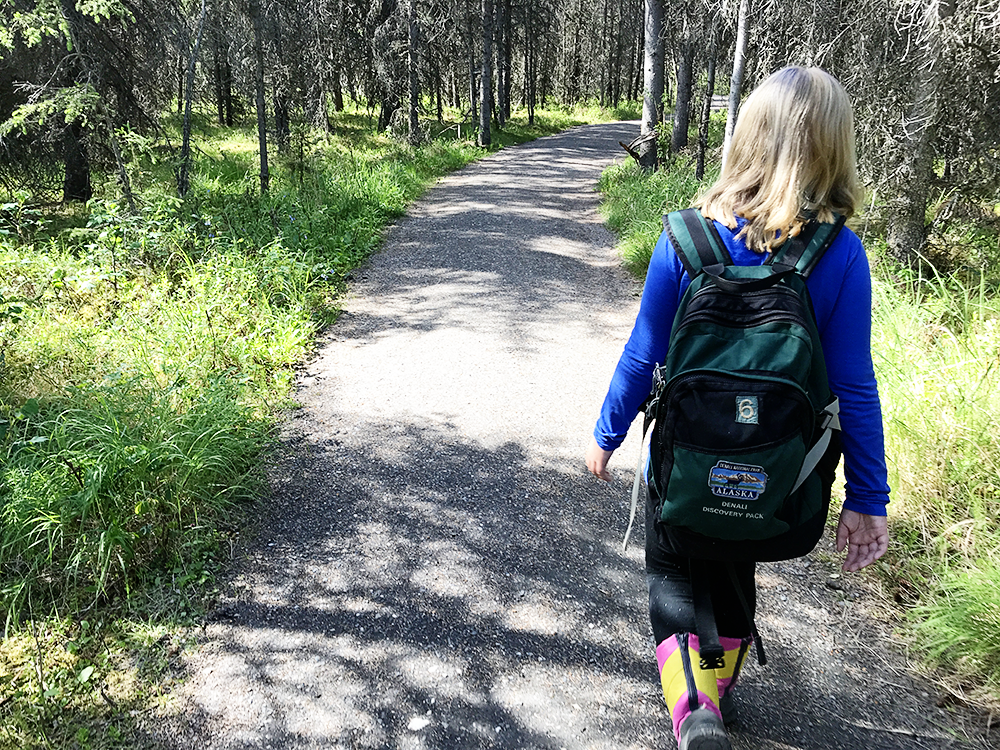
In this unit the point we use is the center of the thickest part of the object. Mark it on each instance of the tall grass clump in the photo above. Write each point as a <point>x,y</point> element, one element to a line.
<point>959,629</point>
<point>635,202</point>
<point>936,346</point>
<point>108,485</point>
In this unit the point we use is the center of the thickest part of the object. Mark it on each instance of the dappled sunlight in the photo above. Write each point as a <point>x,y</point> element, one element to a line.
<point>447,570</point>
<point>564,705</point>
<point>429,608</point>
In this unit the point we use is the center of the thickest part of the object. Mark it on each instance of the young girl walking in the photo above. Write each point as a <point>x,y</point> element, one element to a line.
<point>792,160</point>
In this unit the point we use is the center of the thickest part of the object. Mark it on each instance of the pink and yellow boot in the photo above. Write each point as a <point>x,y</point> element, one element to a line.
<point>736,654</point>
<point>692,695</point>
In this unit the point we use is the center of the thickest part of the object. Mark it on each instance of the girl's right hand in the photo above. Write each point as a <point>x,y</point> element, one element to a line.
<point>597,460</point>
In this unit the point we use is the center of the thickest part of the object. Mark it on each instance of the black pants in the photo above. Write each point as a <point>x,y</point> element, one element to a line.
<point>671,603</point>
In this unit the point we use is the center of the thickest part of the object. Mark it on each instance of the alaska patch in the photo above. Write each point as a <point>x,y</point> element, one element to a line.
<point>737,481</point>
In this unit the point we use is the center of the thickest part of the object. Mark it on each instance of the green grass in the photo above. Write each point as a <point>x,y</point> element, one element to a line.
<point>143,361</point>
<point>635,202</point>
<point>936,349</point>
<point>936,345</point>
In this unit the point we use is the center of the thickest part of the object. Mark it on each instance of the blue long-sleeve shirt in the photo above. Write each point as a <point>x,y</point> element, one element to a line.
<point>840,287</point>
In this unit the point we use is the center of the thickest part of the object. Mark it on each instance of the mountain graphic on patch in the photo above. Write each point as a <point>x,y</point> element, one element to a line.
<point>737,481</point>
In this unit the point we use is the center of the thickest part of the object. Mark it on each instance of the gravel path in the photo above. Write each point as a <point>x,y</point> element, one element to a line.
<point>435,569</point>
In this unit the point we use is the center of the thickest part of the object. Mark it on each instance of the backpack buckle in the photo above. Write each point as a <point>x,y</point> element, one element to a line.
<point>830,416</point>
<point>659,384</point>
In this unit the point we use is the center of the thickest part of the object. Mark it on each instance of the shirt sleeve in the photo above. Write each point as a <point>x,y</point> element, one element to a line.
<point>646,347</point>
<point>845,333</point>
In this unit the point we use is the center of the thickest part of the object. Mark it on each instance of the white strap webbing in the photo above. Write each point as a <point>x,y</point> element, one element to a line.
<point>637,483</point>
<point>813,457</point>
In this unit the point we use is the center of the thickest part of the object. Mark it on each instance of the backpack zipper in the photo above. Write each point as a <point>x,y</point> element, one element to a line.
<point>748,320</point>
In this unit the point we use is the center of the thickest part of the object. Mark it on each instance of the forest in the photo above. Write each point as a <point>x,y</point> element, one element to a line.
<point>186,187</point>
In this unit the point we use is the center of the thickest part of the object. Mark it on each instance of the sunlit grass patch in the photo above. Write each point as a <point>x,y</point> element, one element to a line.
<point>959,628</point>
<point>78,682</point>
<point>635,203</point>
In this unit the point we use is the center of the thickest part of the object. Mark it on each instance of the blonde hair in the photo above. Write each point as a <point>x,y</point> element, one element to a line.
<point>792,158</point>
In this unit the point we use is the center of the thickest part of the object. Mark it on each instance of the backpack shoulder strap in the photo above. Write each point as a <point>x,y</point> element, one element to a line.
<point>805,251</point>
<point>695,240</point>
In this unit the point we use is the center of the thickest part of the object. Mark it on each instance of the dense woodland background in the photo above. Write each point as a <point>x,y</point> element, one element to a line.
<point>82,81</point>
<point>185,188</point>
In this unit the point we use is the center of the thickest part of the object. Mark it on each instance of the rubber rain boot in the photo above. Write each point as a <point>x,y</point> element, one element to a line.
<point>691,694</point>
<point>736,654</point>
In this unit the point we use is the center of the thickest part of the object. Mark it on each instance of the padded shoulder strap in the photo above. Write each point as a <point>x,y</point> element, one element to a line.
<point>805,251</point>
<point>695,240</point>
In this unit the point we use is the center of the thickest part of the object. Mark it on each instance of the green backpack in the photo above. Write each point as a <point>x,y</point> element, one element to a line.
<point>744,444</point>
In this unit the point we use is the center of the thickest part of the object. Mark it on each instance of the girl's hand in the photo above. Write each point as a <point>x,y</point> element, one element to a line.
<point>866,538</point>
<point>597,460</point>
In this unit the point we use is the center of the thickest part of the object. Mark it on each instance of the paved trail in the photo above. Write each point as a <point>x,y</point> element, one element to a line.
<point>436,570</point>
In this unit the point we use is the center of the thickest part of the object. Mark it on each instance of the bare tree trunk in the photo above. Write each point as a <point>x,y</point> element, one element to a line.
<point>685,85</point>
<point>337,70</point>
<point>507,62</point>
<point>282,116</point>
<point>180,81</point>
<point>736,81</point>
<point>412,62</point>
<point>486,85</point>
<point>907,230</point>
<point>258,49</point>
<point>526,56</point>
<point>499,28</point>
<point>338,89</point>
<point>227,86</point>
<point>630,72</point>
<point>438,90</point>
<point>530,65</point>
<point>473,108</point>
<point>606,49</point>
<point>652,94</point>
<point>183,179</point>
<point>635,70</point>
<point>706,110</point>
<point>76,175</point>
<point>220,106</point>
